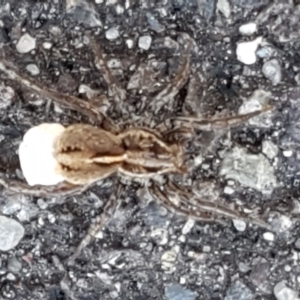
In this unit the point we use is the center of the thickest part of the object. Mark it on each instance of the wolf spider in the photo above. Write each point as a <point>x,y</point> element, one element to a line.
<point>89,153</point>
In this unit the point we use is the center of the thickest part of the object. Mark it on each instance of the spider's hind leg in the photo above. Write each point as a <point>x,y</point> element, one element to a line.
<point>187,205</point>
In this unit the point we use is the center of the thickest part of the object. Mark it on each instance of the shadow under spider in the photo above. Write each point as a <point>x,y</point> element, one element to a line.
<point>145,154</point>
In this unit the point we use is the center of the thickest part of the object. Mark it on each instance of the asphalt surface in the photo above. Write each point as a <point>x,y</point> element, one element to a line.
<point>146,252</point>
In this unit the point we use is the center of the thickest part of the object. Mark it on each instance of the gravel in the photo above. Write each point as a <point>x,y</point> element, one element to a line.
<point>146,252</point>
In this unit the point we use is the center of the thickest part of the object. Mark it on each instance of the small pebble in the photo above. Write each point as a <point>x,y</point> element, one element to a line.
<point>119,9</point>
<point>239,225</point>
<point>11,232</point>
<point>6,96</point>
<point>51,218</point>
<point>26,43</point>
<point>14,265</point>
<point>33,69</point>
<point>238,291</point>
<point>269,236</point>
<point>42,204</point>
<point>248,29</point>
<point>112,34</point>
<point>228,190</point>
<point>177,292</point>
<point>244,268</point>
<point>224,7</point>
<point>129,43</point>
<point>188,226</point>
<point>269,149</point>
<point>246,51</point>
<point>47,45</point>
<point>206,248</point>
<point>145,42</point>
<point>287,153</point>
<point>287,268</point>
<point>272,70</point>
<point>11,277</point>
<point>282,292</point>
<point>168,259</point>
<point>297,244</point>
<point>265,52</point>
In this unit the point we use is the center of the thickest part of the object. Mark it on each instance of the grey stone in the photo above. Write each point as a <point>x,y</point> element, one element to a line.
<point>14,265</point>
<point>177,292</point>
<point>250,170</point>
<point>238,291</point>
<point>272,70</point>
<point>282,292</point>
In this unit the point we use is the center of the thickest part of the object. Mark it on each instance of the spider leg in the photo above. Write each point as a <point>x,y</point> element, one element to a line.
<point>71,102</point>
<point>62,190</point>
<point>114,90</point>
<point>109,208</point>
<point>217,123</point>
<point>162,198</point>
<point>213,207</point>
<point>197,209</point>
<point>166,96</point>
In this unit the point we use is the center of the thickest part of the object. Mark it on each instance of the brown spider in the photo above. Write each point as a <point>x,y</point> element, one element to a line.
<point>87,153</point>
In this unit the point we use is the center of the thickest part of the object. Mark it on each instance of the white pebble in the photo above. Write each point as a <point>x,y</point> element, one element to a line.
<point>129,43</point>
<point>248,29</point>
<point>228,190</point>
<point>282,292</point>
<point>206,248</point>
<point>246,51</point>
<point>168,259</point>
<point>37,161</point>
<point>269,149</point>
<point>224,7</point>
<point>239,225</point>
<point>287,153</point>
<point>145,42</point>
<point>11,232</point>
<point>188,226</point>
<point>47,45</point>
<point>119,9</point>
<point>112,34</point>
<point>26,43</point>
<point>269,236</point>
<point>33,69</point>
<point>11,277</point>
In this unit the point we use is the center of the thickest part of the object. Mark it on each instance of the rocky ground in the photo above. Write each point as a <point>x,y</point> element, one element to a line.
<point>246,53</point>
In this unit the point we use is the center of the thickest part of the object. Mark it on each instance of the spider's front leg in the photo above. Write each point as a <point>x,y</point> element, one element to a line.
<point>166,96</point>
<point>185,126</point>
<point>92,111</point>
<point>115,91</point>
<point>218,123</point>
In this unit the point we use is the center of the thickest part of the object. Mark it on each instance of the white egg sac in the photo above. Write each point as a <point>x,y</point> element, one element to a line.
<point>36,153</point>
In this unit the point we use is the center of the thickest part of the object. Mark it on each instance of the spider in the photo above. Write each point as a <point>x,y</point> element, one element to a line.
<point>154,154</point>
